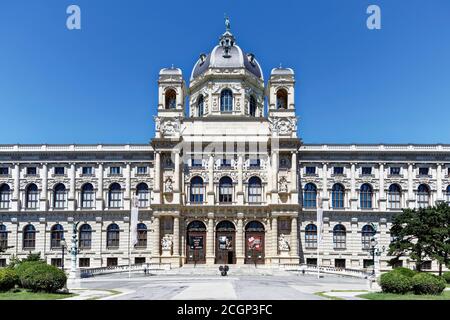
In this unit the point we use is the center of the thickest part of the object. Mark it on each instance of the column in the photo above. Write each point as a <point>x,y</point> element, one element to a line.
<point>324,186</point>
<point>274,238</point>
<point>127,196</point>
<point>210,180</point>
<point>176,236</point>
<point>71,199</point>
<point>240,188</point>
<point>294,238</point>
<point>275,164</point>
<point>16,191</point>
<point>240,252</point>
<point>294,172</point>
<point>410,202</point>
<point>157,171</point>
<point>353,195</point>
<point>439,182</point>
<point>176,181</point>
<point>156,240</point>
<point>43,196</point>
<point>99,196</point>
<point>382,195</point>
<point>210,240</point>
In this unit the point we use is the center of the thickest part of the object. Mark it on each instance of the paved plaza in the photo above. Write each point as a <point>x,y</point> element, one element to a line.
<point>257,287</point>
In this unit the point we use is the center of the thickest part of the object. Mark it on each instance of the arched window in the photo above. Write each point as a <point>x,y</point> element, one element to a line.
<point>115,196</point>
<point>5,194</point>
<point>59,196</point>
<point>32,196</point>
<point>141,235</point>
<point>254,226</point>
<point>112,236</point>
<point>252,106</point>
<point>197,190</point>
<point>394,196</point>
<point>142,194</point>
<point>254,190</point>
<point>56,234</point>
<point>226,100</point>
<point>448,194</point>
<point>423,196</point>
<point>337,196</point>
<point>365,195</point>
<point>3,237</point>
<point>196,226</point>
<point>225,190</point>
<point>171,99</point>
<point>29,237</point>
<point>311,236</point>
<point>367,234</point>
<point>200,106</point>
<point>85,236</point>
<point>87,196</point>
<point>310,196</point>
<point>225,225</point>
<point>282,99</point>
<point>339,236</point>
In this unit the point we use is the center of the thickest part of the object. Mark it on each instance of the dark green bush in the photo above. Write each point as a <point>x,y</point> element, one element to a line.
<point>405,271</point>
<point>8,279</point>
<point>24,265</point>
<point>446,276</point>
<point>395,282</point>
<point>427,283</point>
<point>42,277</point>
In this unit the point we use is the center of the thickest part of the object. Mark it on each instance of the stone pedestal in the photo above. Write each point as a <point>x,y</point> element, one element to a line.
<point>284,253</point>
<point>166,252</point>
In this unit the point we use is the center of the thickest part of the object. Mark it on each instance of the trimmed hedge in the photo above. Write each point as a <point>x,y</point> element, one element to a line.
<point>446,276</point>
<point>23,266</point>
<point>42,277</point>
<point>405,271</point>
<point>426,283</point>
<point>395,282</point>
<point>8,279</point>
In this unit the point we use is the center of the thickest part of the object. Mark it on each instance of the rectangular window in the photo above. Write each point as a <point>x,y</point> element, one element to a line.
<point>111,262</point>
<point>84,262</point>
<point>197,163</point>
<point>397,264</point>
<point>139,260</point>
<point>338,170</point>
<point>56,262</point>
<point>31,170</point>
<point>255,163</point>
<point>225,163</point>
<point>310,170</point>
<point>426,265</point>
<point>366,170</point>
<point>59,171</point>
<point>4,199</point>
<point>87,170</point>
<point>114,170</point>
<point>367,263</point>
<point>311,261</point>
<point>339,263</point>
<point>141,170</point>
<point>115,199</point>
<point>3,239</point>
<point>423,171</point>
<point>2,263</point>
<point>395,171</point>
<point>4,171</point>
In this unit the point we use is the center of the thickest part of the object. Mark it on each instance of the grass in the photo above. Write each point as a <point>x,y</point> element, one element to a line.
<point>28,295</point>
<point>392,296</point>
<point>323,295</point>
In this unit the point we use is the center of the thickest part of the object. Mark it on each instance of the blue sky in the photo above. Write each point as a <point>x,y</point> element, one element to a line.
<point>99,84</point>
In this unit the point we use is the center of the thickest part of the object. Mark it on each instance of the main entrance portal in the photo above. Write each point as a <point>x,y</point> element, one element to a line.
<point>196,242</point>
<point>254,243</point>
<point>225,243</point>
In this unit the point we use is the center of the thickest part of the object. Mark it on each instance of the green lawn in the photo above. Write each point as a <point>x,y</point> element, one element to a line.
<point>392,296</point>
<point>27,295</point>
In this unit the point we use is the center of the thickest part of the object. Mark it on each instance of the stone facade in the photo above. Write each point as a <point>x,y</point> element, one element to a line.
<point>227,181</point>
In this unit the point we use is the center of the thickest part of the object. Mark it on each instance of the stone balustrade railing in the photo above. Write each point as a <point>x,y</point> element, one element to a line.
<point>90,272</point>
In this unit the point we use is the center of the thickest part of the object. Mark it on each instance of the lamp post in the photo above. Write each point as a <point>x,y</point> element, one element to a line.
<point>373,244</point>
<point>63,247</point>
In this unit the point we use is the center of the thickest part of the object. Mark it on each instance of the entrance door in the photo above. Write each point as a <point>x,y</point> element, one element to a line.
<point>225,243</point>
<point>254,243</point>
<point>196,242</point>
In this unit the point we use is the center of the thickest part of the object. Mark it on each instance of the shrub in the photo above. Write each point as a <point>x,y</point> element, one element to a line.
<point>446,276</point>
<point>395,282</point>
<point>8,279</point>
<point>43,277</point>
<point>426,283</point>
<point>405,271</point>
<point>24,265</point>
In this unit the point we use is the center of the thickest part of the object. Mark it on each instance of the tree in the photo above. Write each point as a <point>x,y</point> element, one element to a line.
<point>422,234</point>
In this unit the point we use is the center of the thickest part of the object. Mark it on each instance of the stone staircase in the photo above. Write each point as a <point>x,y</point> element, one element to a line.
<point>234,270</point>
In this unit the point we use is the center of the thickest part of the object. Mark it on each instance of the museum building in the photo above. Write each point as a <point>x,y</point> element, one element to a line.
<point>226,182</point>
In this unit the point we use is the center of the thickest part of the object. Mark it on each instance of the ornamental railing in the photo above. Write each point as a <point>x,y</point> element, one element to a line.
<point>90,272</point>
<point>326,269</point>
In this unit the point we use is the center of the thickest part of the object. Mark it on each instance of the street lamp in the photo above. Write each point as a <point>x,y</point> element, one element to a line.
<point>63,247</point>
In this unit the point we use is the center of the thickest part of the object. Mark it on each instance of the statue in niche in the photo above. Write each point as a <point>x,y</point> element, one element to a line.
<point>283,185</point>
<point>283,244</point>
<point>168,185</point>
<point>166,242</point>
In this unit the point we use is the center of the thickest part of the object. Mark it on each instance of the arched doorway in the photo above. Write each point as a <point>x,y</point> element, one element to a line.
<point>254,243</point>
<point>225,243</point>
<point>196,242</point>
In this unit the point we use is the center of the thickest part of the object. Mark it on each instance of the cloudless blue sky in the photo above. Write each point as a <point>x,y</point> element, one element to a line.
<point>99,84</point>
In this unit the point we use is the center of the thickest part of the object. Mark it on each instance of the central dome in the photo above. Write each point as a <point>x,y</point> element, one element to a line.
<point>227,55</point>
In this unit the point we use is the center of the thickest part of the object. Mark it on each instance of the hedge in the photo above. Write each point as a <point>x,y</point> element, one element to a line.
<point>42,277</point>
<point>24,265</point>
<point>426,283</point>
<point>395,282</point>
<point>446,276</point>
<point>405,271</point>
<point>8,279</point>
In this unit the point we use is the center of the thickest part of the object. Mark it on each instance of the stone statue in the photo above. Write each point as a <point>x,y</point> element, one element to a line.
<point>283,185</point>
<point>168,187</point>
<point>135,202</point>
<point>166,242</point>
<point>283,244</point>
<point>227,23</point>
